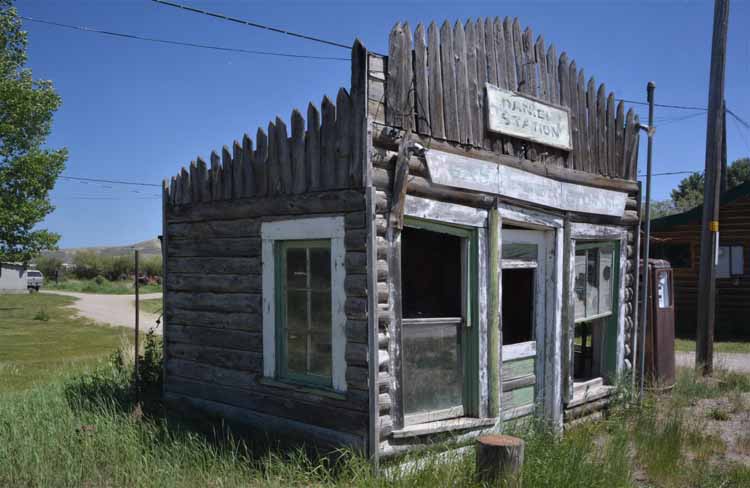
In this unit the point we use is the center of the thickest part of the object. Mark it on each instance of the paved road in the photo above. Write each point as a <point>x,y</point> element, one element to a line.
<point>112,309</point>
<point>739,362</point>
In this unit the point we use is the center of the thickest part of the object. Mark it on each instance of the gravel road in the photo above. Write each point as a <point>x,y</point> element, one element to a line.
<point>112,309</point>
<point>738,362</point>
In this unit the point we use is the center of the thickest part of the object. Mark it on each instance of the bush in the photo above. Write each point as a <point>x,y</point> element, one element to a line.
<point>88,265</point>
<point>48,265</point>
<point>151,266</point>
<point>42,315</point>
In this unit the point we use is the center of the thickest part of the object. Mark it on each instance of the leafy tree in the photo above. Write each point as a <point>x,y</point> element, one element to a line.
<point>88,264</point>
<point>48,265</point>
<point>689,193</point>
<point>662,208</point>
<point>27,171</point>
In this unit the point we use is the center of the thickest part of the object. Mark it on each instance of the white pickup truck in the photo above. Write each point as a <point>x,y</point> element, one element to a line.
<point>34,280</point>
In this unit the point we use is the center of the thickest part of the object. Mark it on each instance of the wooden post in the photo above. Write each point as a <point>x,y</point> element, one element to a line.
<point>499,459</point>
<point>493,332</point>
<point>704,353</point>
<point>135,363</point>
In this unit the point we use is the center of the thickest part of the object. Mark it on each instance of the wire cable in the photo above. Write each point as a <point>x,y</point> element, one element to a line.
<point>114,182</point>
<point>253,24</point>
<point>182,43</point>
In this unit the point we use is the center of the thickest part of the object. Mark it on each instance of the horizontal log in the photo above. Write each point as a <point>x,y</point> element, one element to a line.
<point>218,283</point>
<point>356,354</point>
<point>356,240</point>
<point>277,403</point>
<point>389,138</point>
<point>212,265</point>
<point>355,262</point>
<point>214,229</point>
<point>203,410</point>
<point>384,402</point>
<point>213,302</point>
<point>382,247</point>
<point>254,383</point>
<point>386,426</point>
<point>381,225</point>
<point>356,331</point>
<point>216,356</point>
<point>382,270</point>
<point>239,247</point>
<point>419,186</point>
<point>307,203</point>
<point>251,322</point>
<point>381,201</point>
<point>356,285</point>
<point>206,336</point>
<point>354,220</point>
<point>356,377</point>
<point>356,308</point>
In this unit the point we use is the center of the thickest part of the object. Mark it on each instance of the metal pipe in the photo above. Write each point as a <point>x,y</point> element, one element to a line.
<point>135,363</point>
<point>647,237</point>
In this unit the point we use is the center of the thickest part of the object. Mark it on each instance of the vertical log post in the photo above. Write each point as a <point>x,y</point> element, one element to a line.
<point>499,459</point>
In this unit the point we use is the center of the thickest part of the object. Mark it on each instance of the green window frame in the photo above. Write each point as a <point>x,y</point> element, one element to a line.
<point>612,316</point>
<point>470,330</point>
<point>282,294</point>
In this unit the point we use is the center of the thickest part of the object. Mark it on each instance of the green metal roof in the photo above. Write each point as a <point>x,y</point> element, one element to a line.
<point>694,215</point>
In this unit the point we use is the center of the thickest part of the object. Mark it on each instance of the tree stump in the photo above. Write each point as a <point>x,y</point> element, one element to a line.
<point>499,458</point>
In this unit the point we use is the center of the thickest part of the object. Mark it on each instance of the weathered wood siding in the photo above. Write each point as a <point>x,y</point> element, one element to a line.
<point>213,287</point>
<point>732,294</point>
<point>433,83</point>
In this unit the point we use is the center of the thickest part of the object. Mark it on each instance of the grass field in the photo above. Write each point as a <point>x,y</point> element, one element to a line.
<point>40,338</point>
<point>685,345</point>
<point>67,420</point>
<point>101,286</point>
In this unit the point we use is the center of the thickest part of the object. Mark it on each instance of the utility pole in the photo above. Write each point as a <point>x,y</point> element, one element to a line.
<point>704,354</point>
<point>137,331</point>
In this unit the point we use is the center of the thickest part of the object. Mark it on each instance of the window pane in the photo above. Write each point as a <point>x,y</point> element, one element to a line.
<point>662,290</point>
<point>320,312</point>
<point>296,268</point>
<point>605,280</point>
<point>320,354</point>
<point>592,282</point>
<point>580,285</point>
<point>738,262</point>
<point>515,250</point>
<point>722,270</point>
<point>296,352</point>
<point>296,311</point>
<point>320,268</point>
<point>433,375</point>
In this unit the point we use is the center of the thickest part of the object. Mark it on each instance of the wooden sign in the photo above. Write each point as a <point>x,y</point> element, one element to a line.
<point>527,118</point>
<point>475,174</point>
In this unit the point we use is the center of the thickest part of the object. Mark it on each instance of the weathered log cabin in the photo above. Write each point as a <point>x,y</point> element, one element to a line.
<point>676,238</point>
<point>448,247</point>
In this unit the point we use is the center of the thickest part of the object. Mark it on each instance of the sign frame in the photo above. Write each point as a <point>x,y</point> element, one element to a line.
<point>494,128</point>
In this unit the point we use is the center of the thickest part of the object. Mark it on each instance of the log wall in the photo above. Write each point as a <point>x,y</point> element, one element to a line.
<point>732,304</point>
<point>213,286</point>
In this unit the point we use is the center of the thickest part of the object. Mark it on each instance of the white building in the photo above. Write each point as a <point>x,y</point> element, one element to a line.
<point>13,278</point>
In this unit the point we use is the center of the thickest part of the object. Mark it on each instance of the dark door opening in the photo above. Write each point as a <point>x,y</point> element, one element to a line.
<point>518,305</point>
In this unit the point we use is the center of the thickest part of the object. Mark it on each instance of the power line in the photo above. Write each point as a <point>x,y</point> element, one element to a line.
<point>662,105</point>
<point>253,24</point>
<point>114,182</point>
<point>670,173</point>
<point>181,43</point>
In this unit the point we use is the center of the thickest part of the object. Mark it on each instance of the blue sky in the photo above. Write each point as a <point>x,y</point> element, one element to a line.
<point>137,111</point>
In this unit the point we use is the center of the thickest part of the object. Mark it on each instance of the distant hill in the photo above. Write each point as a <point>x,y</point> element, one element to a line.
<point>147,248</point>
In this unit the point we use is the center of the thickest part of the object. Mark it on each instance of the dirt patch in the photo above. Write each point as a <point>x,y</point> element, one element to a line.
<point>728,419</point>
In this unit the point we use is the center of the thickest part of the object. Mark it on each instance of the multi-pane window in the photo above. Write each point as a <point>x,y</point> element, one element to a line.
<point>731,262</point>
<point>304,320</point>
<point>304,310</point>
<point>594,277</point>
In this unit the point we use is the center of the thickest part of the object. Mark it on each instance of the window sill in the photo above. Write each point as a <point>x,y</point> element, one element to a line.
<point>313,390</point>
<point>442,426</point>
